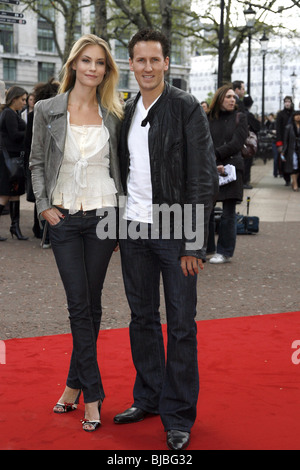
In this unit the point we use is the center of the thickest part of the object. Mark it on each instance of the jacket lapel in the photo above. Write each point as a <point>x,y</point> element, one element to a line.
<point>57,114</point>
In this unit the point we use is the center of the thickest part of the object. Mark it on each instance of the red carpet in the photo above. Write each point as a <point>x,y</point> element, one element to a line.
<point>249,396</point>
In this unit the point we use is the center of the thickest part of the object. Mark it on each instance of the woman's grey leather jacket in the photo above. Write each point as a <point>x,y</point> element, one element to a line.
<point>48,142</point>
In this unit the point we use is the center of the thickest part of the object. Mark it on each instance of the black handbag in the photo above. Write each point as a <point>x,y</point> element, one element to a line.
<point>14,165</point>
<point>245,224</point>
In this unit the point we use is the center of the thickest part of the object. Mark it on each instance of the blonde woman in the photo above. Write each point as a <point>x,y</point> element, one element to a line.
<point>75,172</point>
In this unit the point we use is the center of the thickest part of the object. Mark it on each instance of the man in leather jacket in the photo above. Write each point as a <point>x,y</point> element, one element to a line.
<point>166,158</point>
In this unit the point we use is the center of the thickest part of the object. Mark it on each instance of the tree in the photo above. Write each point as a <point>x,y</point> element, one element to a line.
<point>101,20</point>
<point>47,9</point>
<point>118,19</point>
<point>124,16</point>
<point>235,30</point>
<point>142,14</point>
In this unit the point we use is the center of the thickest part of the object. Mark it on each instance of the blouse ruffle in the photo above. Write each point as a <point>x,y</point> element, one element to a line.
<point>84,180</point>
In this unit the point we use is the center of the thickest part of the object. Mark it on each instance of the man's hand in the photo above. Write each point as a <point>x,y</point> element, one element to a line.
<point>190,265</point>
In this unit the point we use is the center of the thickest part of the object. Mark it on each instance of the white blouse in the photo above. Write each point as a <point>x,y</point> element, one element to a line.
<point>84,181</point>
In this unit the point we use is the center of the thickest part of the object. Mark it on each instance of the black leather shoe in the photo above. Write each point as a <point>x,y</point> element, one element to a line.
<point>132,415</point>
<point>178,440</point>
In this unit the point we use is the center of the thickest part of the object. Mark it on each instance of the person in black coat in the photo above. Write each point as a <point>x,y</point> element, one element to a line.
<point>12,132</point>
<point>291,149</point>
<point>229,131</point>
<point>254,126</point>
<point>238,87</point>
<point>271,130</point>
<point>284,117</point>
<point>175,140</point>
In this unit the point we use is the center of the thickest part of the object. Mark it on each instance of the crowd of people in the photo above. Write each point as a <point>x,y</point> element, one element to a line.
<point>281,132</point>
<point>83,150</point>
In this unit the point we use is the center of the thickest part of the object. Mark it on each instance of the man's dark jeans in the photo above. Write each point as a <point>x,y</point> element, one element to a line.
<point>82,259</point>
<point>168,387</point>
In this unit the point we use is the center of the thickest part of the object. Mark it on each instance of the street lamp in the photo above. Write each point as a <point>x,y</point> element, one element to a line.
<point>264,41</point>
<point>293,78</point>
<point>250,21</point>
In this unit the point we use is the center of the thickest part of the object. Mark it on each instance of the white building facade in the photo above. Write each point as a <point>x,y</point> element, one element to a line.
<point>282,74</point>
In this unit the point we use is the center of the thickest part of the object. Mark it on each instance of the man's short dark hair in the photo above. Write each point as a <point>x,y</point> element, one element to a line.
<point>237,84</point>
<point>148,34</point>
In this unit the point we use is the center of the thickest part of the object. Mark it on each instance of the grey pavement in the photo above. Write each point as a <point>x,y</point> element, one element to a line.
<point>262,278</point>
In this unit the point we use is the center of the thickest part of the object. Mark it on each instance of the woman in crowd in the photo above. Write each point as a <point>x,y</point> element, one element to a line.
<point>12,132</point>
<point>229,131</point>
<point>75,171</point>
<point>291,149</point>
<point>30,100</point>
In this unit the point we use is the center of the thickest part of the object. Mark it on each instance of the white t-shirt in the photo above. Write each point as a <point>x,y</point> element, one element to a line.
<point>139,186</point>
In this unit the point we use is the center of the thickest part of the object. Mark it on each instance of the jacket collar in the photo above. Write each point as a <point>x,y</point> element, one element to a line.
<point>58,110</point>
<point>59,105</point>
<point>150,114</point>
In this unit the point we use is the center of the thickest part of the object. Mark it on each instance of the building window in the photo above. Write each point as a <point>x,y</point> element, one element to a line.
<point>9,70</point>
<point>123,80</point>
<point>46,71</point>
<point>45,39</point>
<point>7,37</point>
<point>121,51</point>
<point>176,53</point>
<point>45,34</point>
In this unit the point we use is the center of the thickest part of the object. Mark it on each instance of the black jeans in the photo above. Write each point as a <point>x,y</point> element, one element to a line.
<point>227,230</point>
<point>168,386</point>
<point>82,259</point>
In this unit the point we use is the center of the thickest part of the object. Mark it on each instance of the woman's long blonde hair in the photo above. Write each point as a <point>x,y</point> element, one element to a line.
<point>107,89</point>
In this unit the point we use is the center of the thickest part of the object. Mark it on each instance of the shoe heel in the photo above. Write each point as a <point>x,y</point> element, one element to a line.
<point>61,408</point>
<point>95,424</point>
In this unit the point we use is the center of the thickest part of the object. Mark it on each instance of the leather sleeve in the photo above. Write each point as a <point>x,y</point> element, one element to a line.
<point>202,179</point>
<point>37,159</point>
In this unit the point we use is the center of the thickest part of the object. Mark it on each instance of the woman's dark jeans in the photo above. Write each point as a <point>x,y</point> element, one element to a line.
<point>82,259</point>
<point>226,229</point>
<point>167,387</point>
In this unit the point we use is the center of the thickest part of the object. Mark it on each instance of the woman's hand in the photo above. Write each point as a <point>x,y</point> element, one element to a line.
<point>221,169</point>
<point>52,215</point>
